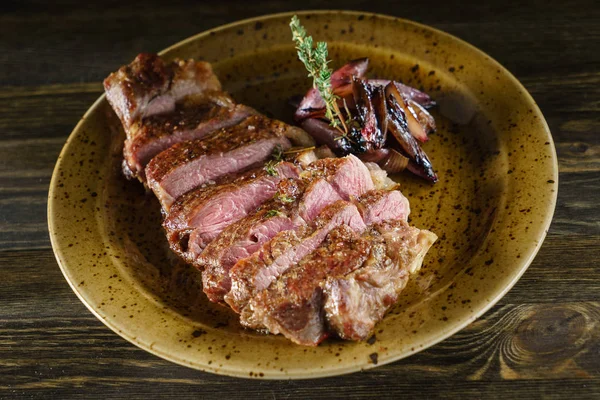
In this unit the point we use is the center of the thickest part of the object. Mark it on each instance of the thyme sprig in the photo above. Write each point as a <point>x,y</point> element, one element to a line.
<point>273,213</point>
<point>276,157</point>
<point>284,198</point>
<point>315,61</point>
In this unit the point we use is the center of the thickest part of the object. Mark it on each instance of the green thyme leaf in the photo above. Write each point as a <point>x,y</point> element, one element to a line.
<point>270,167</point>
<point>315,61</point>
<point>273,213</point>
<point>277,153</point>
<point>285,199</point>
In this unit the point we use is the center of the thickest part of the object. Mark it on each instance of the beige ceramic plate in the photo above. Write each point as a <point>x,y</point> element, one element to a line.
<point>491,209</point>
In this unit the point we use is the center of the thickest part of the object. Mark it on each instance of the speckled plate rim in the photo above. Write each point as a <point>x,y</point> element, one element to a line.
<point>454,326</point>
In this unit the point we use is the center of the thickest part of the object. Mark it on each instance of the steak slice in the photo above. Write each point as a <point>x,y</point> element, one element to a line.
<point>190,164</point>
<point>356,302</point>
<point>201,214</point>
<point>255,273</point>
<point>348,175</point>
<point>307,199</point>
<point>293,304</point>
<point>195,118</point>
<point>150,86</point>
<point>382,205</point>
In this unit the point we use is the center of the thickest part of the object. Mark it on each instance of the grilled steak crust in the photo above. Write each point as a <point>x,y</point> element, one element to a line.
<point>201,214</point>
<point>356,302</point>
<point>266,309</point>
<point>162,103</point>
<point>151,86</point>
<point>194,118</point>
<point>190,164</point>
<point>255,273</point>
<point>293,304</point>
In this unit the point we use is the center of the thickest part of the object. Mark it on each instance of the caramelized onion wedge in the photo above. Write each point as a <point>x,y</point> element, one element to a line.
<point>313,106</point>
<point>394,162</point>
<point>375,156</point>
<point>380,109</point>
<point>324,134</point>
<point>408,92</point>
<point>425,119</point>
<point>398,126</point>
<point>420,171</point>
<point>414,127</point>
<point>363,97</point>
<point>343,75</point>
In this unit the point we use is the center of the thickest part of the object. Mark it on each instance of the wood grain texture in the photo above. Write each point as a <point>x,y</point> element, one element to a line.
<point>542,340</point>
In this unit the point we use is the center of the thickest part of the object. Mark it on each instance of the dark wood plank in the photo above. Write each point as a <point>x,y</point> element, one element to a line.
<point>49,342</point>
<point>119,30</point>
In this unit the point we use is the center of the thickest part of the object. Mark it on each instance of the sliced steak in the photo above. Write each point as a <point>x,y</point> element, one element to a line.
<point>201,214</point>
<point>255,273</point>
<point>297,312</point>
<point>190,164</point>
<point>307,199</point>
<point>348,175</point>
<point>382,205</point>
<point>293,304</point>
<point>150,86</point>
<point>356,302</point>
<point>195,118</point>
<point>243,238</point>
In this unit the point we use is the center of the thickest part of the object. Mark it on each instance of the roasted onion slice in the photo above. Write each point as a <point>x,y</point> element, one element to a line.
<point>408,92</point>
<point>398,126</point>
<point>394,162</point>
<point>413,125</point>
<point>367,117</point>
<point>425,119</point>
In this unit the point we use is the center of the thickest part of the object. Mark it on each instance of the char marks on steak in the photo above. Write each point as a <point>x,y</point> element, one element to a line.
<point>201,214</point>
<point>160,104</point>
<point>151,86</point>
<point>293,304</point>
<point>269,310</point>
<point>187,165</point>
<point>255,273</point>
<point>356,302</point>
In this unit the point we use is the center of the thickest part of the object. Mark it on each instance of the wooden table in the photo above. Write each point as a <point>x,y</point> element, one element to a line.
<point>542,340</point>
